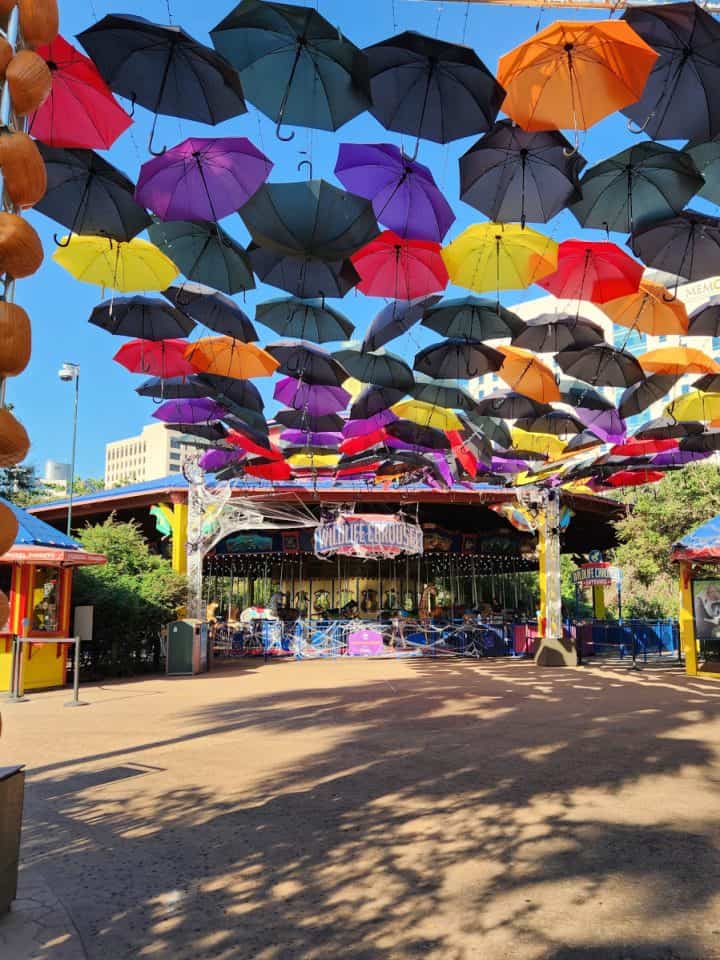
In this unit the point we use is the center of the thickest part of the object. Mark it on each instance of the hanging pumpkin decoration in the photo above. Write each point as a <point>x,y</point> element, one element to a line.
<point>8,528</point>
<point>23,169</point>
<point>6,55</point>
<point>15,339</point>
<point>39,21</point>
<point>14,441</point>
<point>21,252</point>
<point>30,82</point>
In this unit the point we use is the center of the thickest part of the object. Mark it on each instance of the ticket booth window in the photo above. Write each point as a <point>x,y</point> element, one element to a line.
<point>44,600</point>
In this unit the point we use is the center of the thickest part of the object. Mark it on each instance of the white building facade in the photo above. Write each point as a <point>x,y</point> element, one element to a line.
<point>155,453</point>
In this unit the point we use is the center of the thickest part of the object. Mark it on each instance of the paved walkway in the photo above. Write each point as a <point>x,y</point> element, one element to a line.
<point>392,810</point>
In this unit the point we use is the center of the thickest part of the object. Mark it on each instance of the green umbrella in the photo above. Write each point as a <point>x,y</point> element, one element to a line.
<point>441,393</point>
<point>204,252</point>
<point>305,319</point>
<point>379,367</point>
<point>473,318</point>
<point>707,159</point>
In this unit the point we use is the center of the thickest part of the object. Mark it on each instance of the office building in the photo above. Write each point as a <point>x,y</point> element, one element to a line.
<point>157,452</point>
<point>56,475</point>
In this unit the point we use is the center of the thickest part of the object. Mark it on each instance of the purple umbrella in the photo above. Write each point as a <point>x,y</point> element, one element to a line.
<point>316,399</point>
<point>678,458</point>
<point>215,459</point>
<point>404,194</point>
<point>190,410</point>
<point>509,465</point>
<point>308,438</point>
<point>606,424</point>
<point>357,428</point>
<point>202,179</point>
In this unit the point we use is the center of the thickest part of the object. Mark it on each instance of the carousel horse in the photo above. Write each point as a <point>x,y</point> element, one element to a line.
<point>368,604</point>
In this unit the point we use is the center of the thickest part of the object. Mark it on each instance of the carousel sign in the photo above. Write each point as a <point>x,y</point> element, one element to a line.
<point>368,535</point>
<point>596,575</point>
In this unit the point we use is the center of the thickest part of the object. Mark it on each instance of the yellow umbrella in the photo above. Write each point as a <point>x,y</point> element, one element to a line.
<point>545,443</point>
<point>318,460</point>
<point>677,361</point>
<point>695,405</point>
<point>578,486</point>
<point>427,415</point>
<point>135,265</point>
<point>499,256</point>
<point>523,372</point>
<point>227,357</point>
<point>652,309</point>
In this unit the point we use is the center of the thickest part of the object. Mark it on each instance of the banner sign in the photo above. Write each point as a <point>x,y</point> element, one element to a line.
<point>596,575</point>
<point>368,535</point>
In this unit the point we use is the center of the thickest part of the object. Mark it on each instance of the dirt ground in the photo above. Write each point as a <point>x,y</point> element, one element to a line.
<point>380,810</point>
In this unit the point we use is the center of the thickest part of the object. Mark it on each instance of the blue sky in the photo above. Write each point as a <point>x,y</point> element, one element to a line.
<point>59,306</point>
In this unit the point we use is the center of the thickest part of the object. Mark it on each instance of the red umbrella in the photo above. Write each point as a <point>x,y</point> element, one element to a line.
<point>238,439</point>
<point>157,358</point>
<point>272,470</point>
<point>353,445</point>
<point>641,448</point>
<point>358,468</point>
<point>461,453</point>
<point>81,110</point>
<point>633,478</point>
<point>401,269</point>
<point>593,271</point>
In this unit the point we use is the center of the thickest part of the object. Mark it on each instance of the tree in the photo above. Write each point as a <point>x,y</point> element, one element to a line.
<point>20,485</point>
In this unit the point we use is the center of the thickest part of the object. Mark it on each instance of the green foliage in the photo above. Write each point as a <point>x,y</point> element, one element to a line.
<point>20,485</point>
<point>567,589</point>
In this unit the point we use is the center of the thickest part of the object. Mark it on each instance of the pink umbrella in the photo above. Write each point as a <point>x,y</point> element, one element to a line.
<point>158,358</point>
<point>401,269</point>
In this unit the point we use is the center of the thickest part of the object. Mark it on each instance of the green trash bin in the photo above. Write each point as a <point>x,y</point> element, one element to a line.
<point>187,648</point>
<point>12,788</point>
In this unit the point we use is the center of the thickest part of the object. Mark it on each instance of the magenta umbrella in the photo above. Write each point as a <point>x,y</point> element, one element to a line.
<point>316,399</point>
<point>358,428</point>
<point>202,178</point>
<point>190,410</point>
<point>308,438</point>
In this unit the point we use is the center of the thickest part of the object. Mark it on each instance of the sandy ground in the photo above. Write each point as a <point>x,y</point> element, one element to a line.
<point>380,810</point>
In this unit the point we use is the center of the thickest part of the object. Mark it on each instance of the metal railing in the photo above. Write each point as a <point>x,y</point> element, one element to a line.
<point>16,690</point>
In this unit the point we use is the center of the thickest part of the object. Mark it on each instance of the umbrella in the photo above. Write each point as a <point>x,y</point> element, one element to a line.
<point>240,418</point>
<point>273,470</point>
<point>513,175</point>
<point>534,445</point>
<point>427,415</point>
<point>360,428</point>
<point>302,420</point>
<point>578,394</point>
<point>710,383</point>
<point>644,394</point>
<point>230,358</point>
<point>595,271</point>
<point>607,424</point>
<point>706,156</point>
<point>81,110</point>
<point>687,245</point>
<point>374,399</point>
<point>705,320</point>
<point>709,440</point>
<point>508,405</point>
<point>441,393</point>
<point>306,277</point>
<point>206,253</point>
<point>492,428</point>
<point>583,441</point>
<point>425,437</point>
<point>633,478</point>
<point>523,372</point>
<point>202,179</point>
<point>88,195</point>
<point>550,333</point>
<point>668,428</point>
<point>472,318</point>
<point>636,187</point>
<point>146,318</point>
<point>496,256</point>
<point>360,443</point>
<point>136,265</point>
<point>572,74</point>
<point>295,66</point>
<point>163,69</point>
<point>695,406</point>
<point>402,269</point>
<point>677,361</point>
<point>193,410</point>
<point>403,192</point>
<point>173,388</point>
<point>314,399</point>
<point>212,309</point>
<point>311,438</point>
<point>555,422</point>
<point>379,367</point>
<point>307,362</point>
<point>601,365</point>
<point>394,319</point>
<point>509,464</point>
<point>680,99</point>
<point>213,432</point>
<point>678,458</point>
<point>162,358</point>
<point>215,459</point>
<point>232,393</point>
<point>457,359</point>
<point>313,460</point>
<point>306,319</point>
<point>651,309</point>
<point>430,89</point>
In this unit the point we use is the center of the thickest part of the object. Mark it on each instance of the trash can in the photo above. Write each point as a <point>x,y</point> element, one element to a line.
<point>187,648</point>
<point>12,788</point>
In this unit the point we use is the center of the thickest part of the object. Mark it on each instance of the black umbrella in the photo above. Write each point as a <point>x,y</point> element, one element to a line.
<point>174,388</point>
<point>212,309</point>
<point>240,418</point>
<point>645,393</point>
<point>302,420</point>
<point>163,69</point>
<point>430,89</point>
<point>687,245</point>
<point>555,422</point>
<point>668,428</point>
<point>306,277</point>
<point>681,99</point>
<point>394,319</point>
<point>457,359</point>
<point>473,318</point>
<point>601,365</point>
<point>403,461</point>
<point>147,318</point>
<point>705,321</point>
<point>511,175</point>
<point>706,155</point>
<point>491,427</point>
<point>553,332</point>
<point>709,440</point>
<point>88,195</point>
<point>710,383</point>
<point>636,187</point>
<point>307,362</point>
<point>204,252</point>
<point>231,392</point>
<point>508,405</point>
<point>306,319</point>
<point>206,431</point>
<point>374,399</point>
<point>578,394</point>
<point>379,367</point>
<point>583,441</point>
<point>441,393</point>
<point>418,435</point>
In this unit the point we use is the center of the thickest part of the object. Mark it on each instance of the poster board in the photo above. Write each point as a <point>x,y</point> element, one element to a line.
<point>706,614</point>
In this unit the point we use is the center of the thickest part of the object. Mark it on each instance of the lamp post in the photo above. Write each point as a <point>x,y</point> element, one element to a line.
<point>68,373</point>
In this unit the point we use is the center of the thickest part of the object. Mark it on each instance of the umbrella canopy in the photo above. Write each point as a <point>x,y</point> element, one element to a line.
<point>457,359</point>
<point>307,362</point>
<point>192,410</point>
<point>375,399</point>
<point>146,318</point>
<point>651,309</point>
<point>472,318</point>
<point>202,179</point>
<point>556,422</point>
<point>441,393</point>
<point>430,89</point>
<point>206,253</point>
<point>687,245</point>
<point>678,458</point>
<point>310,438</point>
<point>633,478</point>
<point>534,445</point>
<point>601,366</point>
<point>550,333</point>
<point>214,432</point>
<point>583,441</point>
<point>394,319</point>
<point>668,428</point>
<point>681,98</point>
<point>174,388</point>
<point>230,358</point>
<point>302,420</point>
<point>379,367</point>
<point>513,175</point>
<point>212,309</point>
<point>411,433</point>
<point>81,110</point>
<point>509,405</point>
<point>705,320</point>
<point>306,319</point>
<point>496,256</point>
<point>403,192</point>
<point>402,269</point>
<point>595,271</point>
<point>164,358</point>
<point>427,415</point>
<point>88,195</point>
<point>709,440</point>
<point>710,383</point>
<point>677,361</point>
<point>136,265</point>
<point>492,428</point>
<point>572,74</point>
<point>314,399</point>
<point>706,156</point>
<point>295,66</point>
<point>578,394</point>
<point>607,424</point>
<point>306,277</point>
<point>231,393</point>
<point>523,372</point>
<point>215,459</point>
<point>636,187</point>
<point>643,394</point>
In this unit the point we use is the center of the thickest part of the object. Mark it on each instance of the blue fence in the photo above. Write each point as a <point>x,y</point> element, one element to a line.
<point>646,639</point>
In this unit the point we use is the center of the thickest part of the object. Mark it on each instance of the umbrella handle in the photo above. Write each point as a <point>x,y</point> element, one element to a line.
<point>308,164</point>
<point>280,136</point>
<point>155,153</point>
<point>638,129</point>
<point>59,243</point>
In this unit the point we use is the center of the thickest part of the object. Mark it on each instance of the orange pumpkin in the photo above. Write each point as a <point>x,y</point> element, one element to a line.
<point>15,339</point>
<point>39,22</point>
<point>23,169</point>
<point>29,80</point>
<point>14,441</point>
<point>8,528</point>
<point>6,55</point>
<point>21,252</point>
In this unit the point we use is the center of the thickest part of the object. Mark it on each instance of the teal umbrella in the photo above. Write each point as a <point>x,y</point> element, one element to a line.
<point>305,319</point>
<point>706,155</point>
<point>472,318</point>
<point>379,367</point>
<point>204,252</point>
<point>441,393</point>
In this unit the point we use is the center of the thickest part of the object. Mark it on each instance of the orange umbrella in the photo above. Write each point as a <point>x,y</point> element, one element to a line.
<point>652,309</point>
<point>228,357</point>
<point>677,361</point>
<point>572,74</point>
<point>523,372</point>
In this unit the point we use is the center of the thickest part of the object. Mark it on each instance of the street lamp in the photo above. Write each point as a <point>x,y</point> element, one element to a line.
<point>67,373</point>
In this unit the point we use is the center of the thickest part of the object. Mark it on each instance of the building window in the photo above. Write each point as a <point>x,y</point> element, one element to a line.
<point>175,444</point>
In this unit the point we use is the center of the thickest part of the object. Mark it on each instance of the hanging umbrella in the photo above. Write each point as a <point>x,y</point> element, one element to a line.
<point>240,418</point>
<point>492,428</point>
<point>214,459</point>
<point>394,319</point>
<point>379,367</point>
<point>206,253</point>
<point>314,399</point>
<point>523,372</point>
<point>230,392</point>
<point>307,362</point>
<point>202,179</point>
<point>430,89</point>
<point>556,422</point>
<point>709,440</point>
<point>680,99</point>
<point>534,445</point>
<point>705,320</point>
<point>310,438</point>
<point>374,399</point>
<point>313,461</point>
<point>402,269</point>
<point>677,361</point>
<point>81,110</point>
<point>695,406</point>
<point>552,332</point>
<point>88,195</point>
<point>652,309</point>
<point>496,256</point>
<point>361,428</point>
<point>668,428</point>
<point>513,175</point>
<point>136,265</point>
<point>441,393</point>
<point>678,458</point>
<point>578,394</point>
<point>710,383</point>
<point>457,359</point>
<point>687,245</point>
<point>306,277</point>
<point>146,318</point>
<point>193,410</point>
<point>272,470</point>
<point>644,394</point>
<point>511,465</point>
<point>163,69</point>
<point>508,405</point>
<point>427,415</point>
<point>601,366</point>
<point>633,478</point>
<point>212,309</point>
<point>595,271</point>
<point>403,192</point>
<point>163,358</point>
<point>706,156</point>
<point>583,441</point>
<point>572,74</point>
<point>361,443</point>
<point>302,420</point>
<point>606,424</point>
<point>227,357</point>
<point>174,388</point>
<point>472,318</point>
<point>214,432</point>
<point>425,437</point>
<point>307,319</point>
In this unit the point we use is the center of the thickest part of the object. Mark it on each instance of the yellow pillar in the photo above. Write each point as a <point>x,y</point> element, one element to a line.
<point>598,594</point>
<point>176,515</point>
<point>687,620</point>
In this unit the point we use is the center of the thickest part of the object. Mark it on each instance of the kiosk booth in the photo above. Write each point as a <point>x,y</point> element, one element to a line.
<point>698,555</point>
